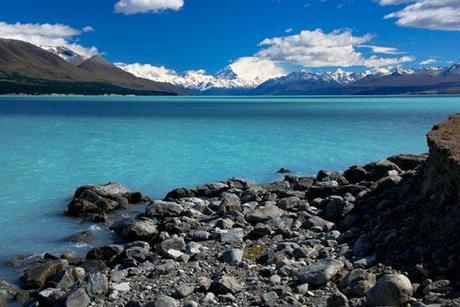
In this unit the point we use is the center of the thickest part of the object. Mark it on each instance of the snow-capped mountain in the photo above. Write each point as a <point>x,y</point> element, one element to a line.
<point>196,80</point>
<point>65,53</point>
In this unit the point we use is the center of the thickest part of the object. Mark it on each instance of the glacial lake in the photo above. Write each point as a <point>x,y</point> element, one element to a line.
<point>51,145</point>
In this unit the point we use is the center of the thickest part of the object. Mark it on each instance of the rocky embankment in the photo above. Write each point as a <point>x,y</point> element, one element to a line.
<point>382,234</point>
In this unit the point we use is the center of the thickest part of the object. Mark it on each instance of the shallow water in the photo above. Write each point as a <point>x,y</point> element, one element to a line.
<point>51,145</point>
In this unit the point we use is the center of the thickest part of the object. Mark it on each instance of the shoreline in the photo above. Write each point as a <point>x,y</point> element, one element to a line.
<point>384,233</point>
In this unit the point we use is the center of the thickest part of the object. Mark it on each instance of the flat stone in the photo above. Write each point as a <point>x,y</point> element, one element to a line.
<point>233,256</point>
<point>263,214</point>
<point>226,284</point>
<point>320,272</point>
<point>162,209</point>
<point>231,235</point>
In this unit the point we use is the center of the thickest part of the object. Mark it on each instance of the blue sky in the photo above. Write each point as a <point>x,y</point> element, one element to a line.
<point>210,34</point>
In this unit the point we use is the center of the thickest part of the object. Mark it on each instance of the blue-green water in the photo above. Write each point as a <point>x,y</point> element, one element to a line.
<point>51,145</point>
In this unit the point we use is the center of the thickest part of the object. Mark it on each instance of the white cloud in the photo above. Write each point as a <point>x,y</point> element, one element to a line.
<point>382,50</point>
<point>427,14</point>
<point>155,73</point>
<point>288,30</point>
<point>130,7</point>
<point>256,70</point>
<point>53,35</point>
<point>319,49</point>
<point>88,29</point>
<point>428,62</point>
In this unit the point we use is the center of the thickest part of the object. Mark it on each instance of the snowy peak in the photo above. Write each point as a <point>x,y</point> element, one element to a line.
<point>65,53</point>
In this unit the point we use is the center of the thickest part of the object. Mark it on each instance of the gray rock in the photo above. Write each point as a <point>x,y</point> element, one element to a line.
<point>62,280</point>
<point>165,301</point>
<point>232,256</point>
<point>174,243</point>
<point>357,283</point>
<point>200,235</point>
<point>335,208</point>
<point>320,272</point>
<point>96,285</point>
<point>167,267</point>
<point>136,229</point>
<point>230,202</point>
<point>226,284</point>
<point>183,291</point>
<point>162,209</point>
<point>390,290</point>
<point>108,253</point>
<point>270,298</point>
<point>77,298</point>
<point>263,214</point>
<point>316,221</point>
<point>361,246</point>
<point>231,235</point>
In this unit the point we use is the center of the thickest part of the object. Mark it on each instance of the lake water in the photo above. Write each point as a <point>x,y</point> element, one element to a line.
<point>51,145</point>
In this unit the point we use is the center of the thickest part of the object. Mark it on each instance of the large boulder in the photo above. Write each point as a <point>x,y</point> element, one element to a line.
<point>93,202</point>
<point>109,253</point>
<point>408,161</point>
<point>390,290</point>
<point>135,229</point>
<point>96,285</point>
<point>226,284</point>
<point>36,275</point>
<point>357,283</point>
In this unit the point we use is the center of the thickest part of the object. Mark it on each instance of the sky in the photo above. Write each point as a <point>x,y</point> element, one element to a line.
<point>259,38</point>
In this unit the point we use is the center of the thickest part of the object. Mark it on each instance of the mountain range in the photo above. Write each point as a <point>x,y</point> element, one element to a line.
<point>30,69</point>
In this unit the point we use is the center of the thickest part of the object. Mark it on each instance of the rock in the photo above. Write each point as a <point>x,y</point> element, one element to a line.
<point>62,280</point>
<point>96,285</point>
<point>390,290</point>
<point>380,168</point>
<point>283,171</point>
<point>337,299</point>
<point>336,208</point>
<point>178,194</point>
<point>320,272</point>
<point>316,221</point>
<point>230,202</point>
<point>357,283</point>
<point>109,253</point>
<point>50,296</point>
<point>121,287</point>
<point>81,237</point>
<point>93,265</point>
<point>162,209</point>
<point>408,161</point>
<point>167,267</point>
<point>76,298</point>
<point>210,190</point>
<point>231,235</point>
<point>263,214</point>
<point>361,246</point>
<point>302,289</point>
<point>233,256</point>
<point>356,174</point>
<point>133,229</point>
<point>226,284</point>
<point>290,203</point>
<point>183,291</point>
<point>174,243</point>
<point>94,201</point>
<point>8,290</point>
<point>36,275</point>
<point>270,298</point>
<point>164,301</point>
<point>200,235</point>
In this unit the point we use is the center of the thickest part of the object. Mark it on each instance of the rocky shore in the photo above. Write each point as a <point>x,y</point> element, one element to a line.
<point>381,234</point>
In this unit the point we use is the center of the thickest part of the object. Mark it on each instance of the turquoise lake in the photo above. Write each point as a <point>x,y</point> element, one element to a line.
<point>51,145</point>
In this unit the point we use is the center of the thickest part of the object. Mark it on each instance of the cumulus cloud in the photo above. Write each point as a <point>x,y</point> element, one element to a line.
<point>256,70</point>
<point>151,72</point>
<point>427,14</point>
<point>319,49</point>
<point>428,62</point>
<point>130,7</point>
<point>53,35</point>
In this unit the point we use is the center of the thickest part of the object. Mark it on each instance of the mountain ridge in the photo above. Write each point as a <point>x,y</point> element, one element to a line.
<point>26,68</point>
